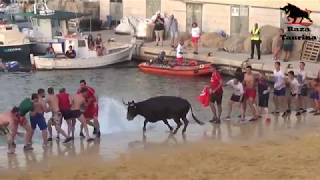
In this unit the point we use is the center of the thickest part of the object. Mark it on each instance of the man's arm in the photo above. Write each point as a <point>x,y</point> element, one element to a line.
<point>46,104</point>
<point>229,83</point>
<point>45,107</point>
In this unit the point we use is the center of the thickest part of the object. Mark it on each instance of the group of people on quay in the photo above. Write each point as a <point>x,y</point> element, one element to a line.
<point>93,45</point>
<point>82,106</point>
<point>291,91</point>
<point>168,26</point>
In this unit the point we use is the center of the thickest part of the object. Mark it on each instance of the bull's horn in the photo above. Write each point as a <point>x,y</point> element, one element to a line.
<point>124,103</point>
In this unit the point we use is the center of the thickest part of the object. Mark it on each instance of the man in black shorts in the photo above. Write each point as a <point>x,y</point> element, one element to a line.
<point>77,102</point>
<point>236,97</point>
<point>216,93</point>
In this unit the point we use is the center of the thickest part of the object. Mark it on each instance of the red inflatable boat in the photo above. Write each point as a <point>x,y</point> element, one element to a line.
<point>177,70</point>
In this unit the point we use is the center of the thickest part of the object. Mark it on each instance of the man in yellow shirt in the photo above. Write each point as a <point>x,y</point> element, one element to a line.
<point>255,40</point>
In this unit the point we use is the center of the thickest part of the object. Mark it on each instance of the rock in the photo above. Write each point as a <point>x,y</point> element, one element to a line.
<point>269,31</point>
<point>212,40</point>
<point>234,44</point>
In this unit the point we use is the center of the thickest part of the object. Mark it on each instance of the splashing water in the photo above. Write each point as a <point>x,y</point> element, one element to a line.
<point>112,117</point>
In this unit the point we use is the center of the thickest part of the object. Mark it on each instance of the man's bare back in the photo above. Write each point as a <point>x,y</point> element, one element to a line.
<point>6,118</point>
<point>53,103</point>
<point>77,102</point>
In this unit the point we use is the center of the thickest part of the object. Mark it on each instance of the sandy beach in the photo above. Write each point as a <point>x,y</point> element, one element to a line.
<point>285,157</point>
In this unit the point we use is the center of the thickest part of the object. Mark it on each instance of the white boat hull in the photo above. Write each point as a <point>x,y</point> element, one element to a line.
<point>116,55</point>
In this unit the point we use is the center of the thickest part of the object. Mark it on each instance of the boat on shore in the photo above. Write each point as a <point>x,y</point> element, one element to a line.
<point>197,69</point>
<point>85,58</point>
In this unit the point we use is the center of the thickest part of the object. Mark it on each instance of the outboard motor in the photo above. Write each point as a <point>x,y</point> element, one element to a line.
<point>12,66</point>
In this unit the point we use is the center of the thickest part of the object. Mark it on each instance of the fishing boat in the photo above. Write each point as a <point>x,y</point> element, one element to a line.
<point>46,25</point>
<point>198,69</point>
<point>85,58</point>
<point>14,45</point>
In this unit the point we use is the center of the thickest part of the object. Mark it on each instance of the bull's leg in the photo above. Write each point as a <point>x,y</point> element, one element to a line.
<point>144,126</point>
<point>177,120</point>
<point>294,20</point>
<point>185,122</point>
<point>301,20</point>
<point>166,122</point>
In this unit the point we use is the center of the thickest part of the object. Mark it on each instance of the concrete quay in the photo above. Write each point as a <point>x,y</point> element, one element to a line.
<point>226,61</point>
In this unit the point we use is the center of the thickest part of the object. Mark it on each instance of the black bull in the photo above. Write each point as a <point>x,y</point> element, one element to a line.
<point>294,12</point>
<point>162,108</point>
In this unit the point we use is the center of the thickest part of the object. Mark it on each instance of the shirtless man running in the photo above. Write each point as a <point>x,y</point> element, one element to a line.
<point>77,102</point>
<point>250,92</point>
<point>9,123</point>
<point>56,119</point>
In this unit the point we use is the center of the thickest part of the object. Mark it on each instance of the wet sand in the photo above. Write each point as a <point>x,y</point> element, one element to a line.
<point>280,149</point>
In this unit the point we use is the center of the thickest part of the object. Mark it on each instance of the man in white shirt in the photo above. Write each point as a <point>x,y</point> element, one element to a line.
<point>294,92</point>
<point>279,94</point>
<point>195,33</point>
<point>179,56</point>
<point>301,77</point>
<point>236,97</point>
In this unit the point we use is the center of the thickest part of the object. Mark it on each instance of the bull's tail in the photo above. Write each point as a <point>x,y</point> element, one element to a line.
<point>195,118</point>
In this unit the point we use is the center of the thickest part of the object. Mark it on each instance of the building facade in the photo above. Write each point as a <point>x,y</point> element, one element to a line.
<point>232,16</point>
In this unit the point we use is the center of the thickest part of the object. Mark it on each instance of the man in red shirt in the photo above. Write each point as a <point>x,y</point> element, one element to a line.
<point>91,111</point>
<point>216,93</point>
<point>65,106</point>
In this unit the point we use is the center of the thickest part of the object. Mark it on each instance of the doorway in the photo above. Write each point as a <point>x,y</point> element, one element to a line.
<point>194,14</point>
<point>239,19</point>
<point>116,11</point>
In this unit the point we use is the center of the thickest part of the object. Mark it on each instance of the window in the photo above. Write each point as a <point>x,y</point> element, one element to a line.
<point>81,43</point>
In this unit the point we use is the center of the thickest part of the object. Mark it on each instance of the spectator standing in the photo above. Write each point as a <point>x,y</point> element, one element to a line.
<point>255,40</point>
<point>173,29</point>
<point>159,29</point>
<point>195,33</point>
<point>287,46</point>
<point>276,50</point>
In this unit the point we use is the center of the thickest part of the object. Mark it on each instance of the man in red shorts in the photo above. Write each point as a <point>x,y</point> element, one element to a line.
<point>216,93</point>
<point>250,92</point>
<point>91,110</point>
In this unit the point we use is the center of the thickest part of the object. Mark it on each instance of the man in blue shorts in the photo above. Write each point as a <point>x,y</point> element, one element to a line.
<point>37,117</point>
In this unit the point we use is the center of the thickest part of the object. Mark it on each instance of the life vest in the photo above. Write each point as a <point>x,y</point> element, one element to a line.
<point>255,34</point>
